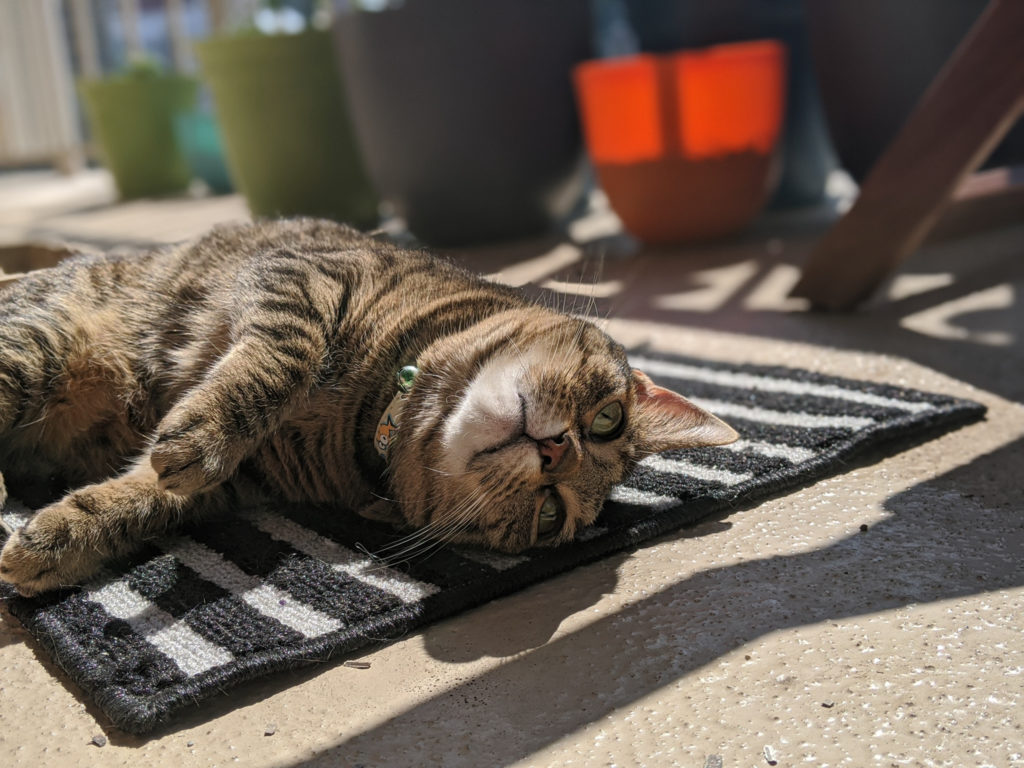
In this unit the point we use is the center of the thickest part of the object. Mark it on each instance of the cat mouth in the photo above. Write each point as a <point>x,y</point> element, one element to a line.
<point>516,431</point>
<point>511,442</point>
<point>513,457</point>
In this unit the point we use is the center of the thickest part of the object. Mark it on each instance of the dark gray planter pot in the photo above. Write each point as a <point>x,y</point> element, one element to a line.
<point>875,58</point>
<point>465,114</point>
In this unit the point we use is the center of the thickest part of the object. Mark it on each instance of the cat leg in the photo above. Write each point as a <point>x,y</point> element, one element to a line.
<point>67,542</point>
<point>278,348</point>
<point>203,438</point>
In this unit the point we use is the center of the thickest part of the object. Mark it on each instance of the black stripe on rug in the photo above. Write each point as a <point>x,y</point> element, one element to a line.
<point>229,601</point>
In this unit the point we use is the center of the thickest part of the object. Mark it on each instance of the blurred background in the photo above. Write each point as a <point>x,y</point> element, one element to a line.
<point>458,116</point>
<point>637,125</point>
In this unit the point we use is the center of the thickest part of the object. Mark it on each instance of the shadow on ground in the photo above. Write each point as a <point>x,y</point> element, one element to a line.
<point>939,543</point>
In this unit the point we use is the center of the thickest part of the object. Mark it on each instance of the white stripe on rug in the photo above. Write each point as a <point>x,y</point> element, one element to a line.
<point>175,639</point>
<point>364,569</point>
<point>791,453</point>
<point>771,384</point>
<point>265,598</point>
<point>698,471</point>
<point>783,418</point>
<point>624,494</point>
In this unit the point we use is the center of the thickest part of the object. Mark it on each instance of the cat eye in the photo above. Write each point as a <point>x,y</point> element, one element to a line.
<point>551,517</point>
<point>608,422</point>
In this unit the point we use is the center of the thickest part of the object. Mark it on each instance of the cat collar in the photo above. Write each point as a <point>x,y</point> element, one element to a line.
<point>388,424</point>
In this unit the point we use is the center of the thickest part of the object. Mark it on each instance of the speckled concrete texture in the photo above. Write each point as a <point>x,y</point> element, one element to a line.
<point>787,625</point>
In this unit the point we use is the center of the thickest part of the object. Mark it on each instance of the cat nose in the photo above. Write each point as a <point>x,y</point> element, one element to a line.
<point>552,451</point>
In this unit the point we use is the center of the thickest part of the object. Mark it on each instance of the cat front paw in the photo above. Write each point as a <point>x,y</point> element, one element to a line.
<point>192,454</point>
<point>45,554</point>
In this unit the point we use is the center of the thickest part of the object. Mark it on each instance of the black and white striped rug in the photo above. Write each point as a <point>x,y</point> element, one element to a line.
<point>276,589</point>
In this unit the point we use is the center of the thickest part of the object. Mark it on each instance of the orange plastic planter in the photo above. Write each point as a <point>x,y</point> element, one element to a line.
<point>684,144</point>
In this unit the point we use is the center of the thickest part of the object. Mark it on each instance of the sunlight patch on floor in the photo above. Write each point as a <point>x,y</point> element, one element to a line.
<point>534,270</point>
<point>939,321</point>
<point>905,286</point>
<point>717,286</point>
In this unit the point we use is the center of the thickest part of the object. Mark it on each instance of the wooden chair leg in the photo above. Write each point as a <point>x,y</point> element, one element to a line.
<point>969,107</point>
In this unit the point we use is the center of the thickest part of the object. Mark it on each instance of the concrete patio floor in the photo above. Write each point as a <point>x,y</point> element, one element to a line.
<point>783,625</point>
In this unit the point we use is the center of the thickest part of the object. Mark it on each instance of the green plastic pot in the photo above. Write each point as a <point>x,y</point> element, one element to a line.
<point>132,119</point>
<point>285,125</point>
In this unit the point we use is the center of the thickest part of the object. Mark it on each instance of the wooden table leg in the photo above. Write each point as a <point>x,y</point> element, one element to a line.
<point>969,107</point>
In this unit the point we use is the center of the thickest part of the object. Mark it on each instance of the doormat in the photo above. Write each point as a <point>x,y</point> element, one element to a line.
<point>274,589</point>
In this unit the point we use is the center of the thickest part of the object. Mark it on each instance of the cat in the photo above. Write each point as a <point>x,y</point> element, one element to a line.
<point>302,361</point>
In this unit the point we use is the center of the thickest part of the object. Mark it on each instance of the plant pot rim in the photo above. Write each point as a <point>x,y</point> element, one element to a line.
<point>121,80</point>
<point>242,41</point>
<point>739,48</point>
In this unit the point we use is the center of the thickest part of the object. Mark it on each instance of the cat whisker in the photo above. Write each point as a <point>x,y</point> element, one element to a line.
<point>41,417</point>
<point>435,533</point>
<point>429,532</point>
<point>429,547</point>
<point>519,352</point>
<point>416,550</point>
<point>445,473</point>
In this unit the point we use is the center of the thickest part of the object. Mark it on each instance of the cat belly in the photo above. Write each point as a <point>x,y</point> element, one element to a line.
<point>44,462</point>
<point>84,430</point>
<point>294,466</point>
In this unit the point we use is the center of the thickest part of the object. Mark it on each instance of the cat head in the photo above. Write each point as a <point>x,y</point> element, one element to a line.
<point>513,436</point>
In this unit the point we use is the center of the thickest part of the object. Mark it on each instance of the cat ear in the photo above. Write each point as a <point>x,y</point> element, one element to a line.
<point>668,420</point>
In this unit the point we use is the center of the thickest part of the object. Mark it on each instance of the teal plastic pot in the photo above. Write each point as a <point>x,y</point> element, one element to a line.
<point>200,142</point>
<point>285,126</point>
<point>132,120</point>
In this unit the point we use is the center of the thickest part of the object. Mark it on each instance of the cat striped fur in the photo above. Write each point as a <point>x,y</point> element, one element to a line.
<point>253,365</point>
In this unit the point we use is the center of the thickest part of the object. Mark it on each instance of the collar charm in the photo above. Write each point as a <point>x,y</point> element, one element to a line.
<point>388,424</point>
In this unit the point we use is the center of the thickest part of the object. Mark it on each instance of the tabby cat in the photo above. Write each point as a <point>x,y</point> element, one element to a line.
<point>260,362</point>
